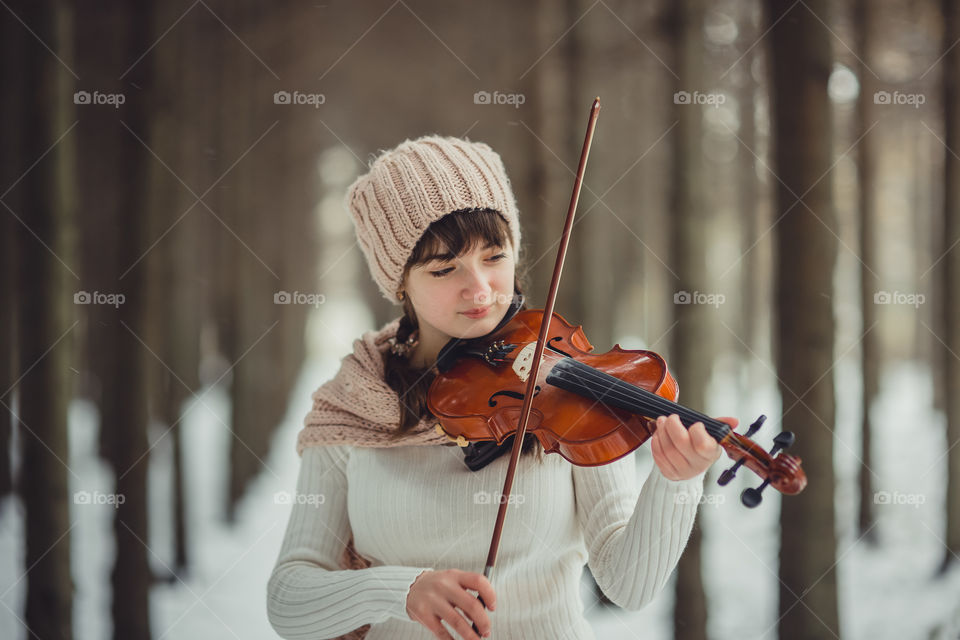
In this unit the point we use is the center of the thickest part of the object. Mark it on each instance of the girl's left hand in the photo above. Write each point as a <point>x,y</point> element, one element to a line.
<point>681,454</point>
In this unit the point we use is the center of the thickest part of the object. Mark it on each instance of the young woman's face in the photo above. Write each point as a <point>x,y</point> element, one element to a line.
<point>444,291</point>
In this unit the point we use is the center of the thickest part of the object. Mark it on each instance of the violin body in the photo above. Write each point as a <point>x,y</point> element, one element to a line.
<point>590,408</point>
<point>482,402</point>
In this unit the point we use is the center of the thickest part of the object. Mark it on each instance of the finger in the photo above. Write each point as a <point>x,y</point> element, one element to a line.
<point>459,624</point>
<point>694,444</point>
<point>732,422</point>
<point>473,610</point>
<point>703,445</point>
<point>675,433</point>
<point>666,467</point>
<point>676,444</point>
<point>437,629</point>
<point>478,582</point>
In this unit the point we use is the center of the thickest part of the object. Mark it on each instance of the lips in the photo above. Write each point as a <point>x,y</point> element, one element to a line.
<point>478,312</point>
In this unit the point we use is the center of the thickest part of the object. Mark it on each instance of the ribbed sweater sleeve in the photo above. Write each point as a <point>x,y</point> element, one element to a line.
<point>308,596</point>
<point>633,542</point>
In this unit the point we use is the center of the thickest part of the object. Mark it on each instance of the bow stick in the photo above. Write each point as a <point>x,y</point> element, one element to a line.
<point>538,353</point>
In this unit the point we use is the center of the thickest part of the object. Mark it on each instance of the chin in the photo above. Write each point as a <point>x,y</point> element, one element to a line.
<point>483,326</point>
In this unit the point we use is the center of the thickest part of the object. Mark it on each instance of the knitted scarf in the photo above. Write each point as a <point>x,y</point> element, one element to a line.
<point>357,407</point>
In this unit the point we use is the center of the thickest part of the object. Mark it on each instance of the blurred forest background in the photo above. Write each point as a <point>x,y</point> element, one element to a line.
<point>772,202</point>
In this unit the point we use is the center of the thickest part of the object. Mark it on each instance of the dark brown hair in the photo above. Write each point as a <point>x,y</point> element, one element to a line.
<point>454,234</point>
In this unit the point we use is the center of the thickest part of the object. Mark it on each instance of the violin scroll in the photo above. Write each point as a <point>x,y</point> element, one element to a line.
<point>783,472</point>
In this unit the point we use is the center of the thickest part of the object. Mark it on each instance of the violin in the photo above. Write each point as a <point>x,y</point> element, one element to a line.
<point>592,409</point>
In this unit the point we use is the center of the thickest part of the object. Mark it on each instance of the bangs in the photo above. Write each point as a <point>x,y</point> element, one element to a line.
<point>458,233</point>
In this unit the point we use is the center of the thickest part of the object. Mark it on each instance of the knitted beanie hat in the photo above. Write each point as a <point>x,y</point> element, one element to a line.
<point>415,184</point>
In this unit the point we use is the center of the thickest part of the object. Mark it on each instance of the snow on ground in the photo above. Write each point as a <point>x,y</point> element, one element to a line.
<point>886,591</point>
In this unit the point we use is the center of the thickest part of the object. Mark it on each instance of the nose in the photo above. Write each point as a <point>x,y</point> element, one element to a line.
<point>476,287</point>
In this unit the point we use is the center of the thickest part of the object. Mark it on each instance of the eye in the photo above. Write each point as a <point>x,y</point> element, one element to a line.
<point>442,272</point>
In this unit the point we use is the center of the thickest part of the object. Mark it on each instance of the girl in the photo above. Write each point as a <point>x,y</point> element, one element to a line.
<point>392,519</point>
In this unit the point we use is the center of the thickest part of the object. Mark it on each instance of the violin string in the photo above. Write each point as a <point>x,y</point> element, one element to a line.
<point>615,389</point>
<point>601,386</point>
<point>660,405</point>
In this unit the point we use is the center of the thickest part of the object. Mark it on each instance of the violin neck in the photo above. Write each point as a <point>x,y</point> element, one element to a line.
<point>576,377</point>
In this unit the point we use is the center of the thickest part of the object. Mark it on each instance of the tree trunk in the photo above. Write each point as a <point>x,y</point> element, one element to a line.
<point>869,281</point>
<point>754,244</point>
<point>13,162</point>
<point>806,254</point>
<point>125,404</point>
<point>175,316</point>
<point>253,277</point>
<point>690,339</point>
<point>45,325</point>
<point>99,55</point>
<point>562,116</point>
<point>951,274</point>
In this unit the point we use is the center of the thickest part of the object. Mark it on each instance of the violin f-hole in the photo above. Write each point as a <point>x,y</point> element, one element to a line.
<point>555,348</point>
<point>516,395</point>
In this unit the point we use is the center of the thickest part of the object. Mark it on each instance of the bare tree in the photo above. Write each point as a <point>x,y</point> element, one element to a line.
<point>951,272</point>
<point>753,221</point>
<point>12,156</point>
<point>690,339</point>
<point>44,225</point>
<point>801,64</point>
<point>175,315</point>
<point>125,404</point>
<point>560,109</point>
<point>869,283</point>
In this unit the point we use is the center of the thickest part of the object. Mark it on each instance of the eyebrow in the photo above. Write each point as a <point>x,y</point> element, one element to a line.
<point>448,256</point>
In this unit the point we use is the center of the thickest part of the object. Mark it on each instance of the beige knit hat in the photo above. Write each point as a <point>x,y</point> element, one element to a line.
<point>410,187</point>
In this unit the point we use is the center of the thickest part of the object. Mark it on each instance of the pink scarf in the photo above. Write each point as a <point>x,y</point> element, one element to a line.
<point>357,407</point>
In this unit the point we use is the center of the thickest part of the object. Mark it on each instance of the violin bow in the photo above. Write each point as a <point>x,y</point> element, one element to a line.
<point>541,342</point>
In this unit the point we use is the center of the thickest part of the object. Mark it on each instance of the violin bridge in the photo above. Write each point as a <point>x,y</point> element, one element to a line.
<point>524,361</point>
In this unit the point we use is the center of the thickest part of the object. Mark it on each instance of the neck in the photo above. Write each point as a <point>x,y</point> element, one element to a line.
<point>424,355</point>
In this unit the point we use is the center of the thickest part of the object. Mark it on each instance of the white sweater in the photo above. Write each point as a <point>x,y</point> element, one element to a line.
<point>417,508</point>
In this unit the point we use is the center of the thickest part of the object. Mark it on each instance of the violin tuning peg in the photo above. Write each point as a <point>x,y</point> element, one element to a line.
<point>784,440</point>
<point>497,352</point>
<point>729,474</point>
<point>752,497</point>
<point>756,426</point>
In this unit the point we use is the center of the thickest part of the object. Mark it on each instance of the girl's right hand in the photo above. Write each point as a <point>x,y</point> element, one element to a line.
<point>434,594</point>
